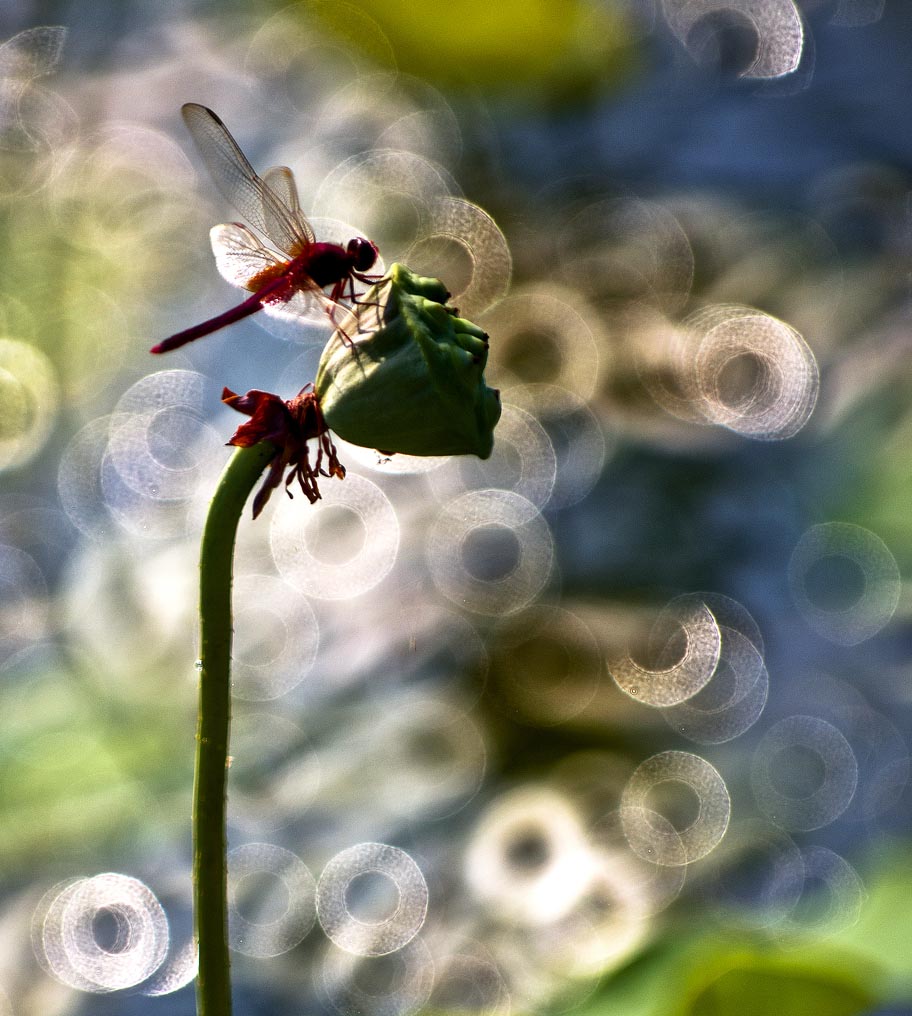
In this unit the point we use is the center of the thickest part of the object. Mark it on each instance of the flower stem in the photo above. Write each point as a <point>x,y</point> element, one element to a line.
<point>210,885</point>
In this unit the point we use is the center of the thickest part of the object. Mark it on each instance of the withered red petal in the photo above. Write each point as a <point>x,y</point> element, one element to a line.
<point>273,479</point>
<point>287,425</point>
<point>271,419</point>
<point>252,402</point>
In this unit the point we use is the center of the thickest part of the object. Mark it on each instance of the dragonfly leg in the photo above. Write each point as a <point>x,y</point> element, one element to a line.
<point>337,292</point>
<point>372,280</point>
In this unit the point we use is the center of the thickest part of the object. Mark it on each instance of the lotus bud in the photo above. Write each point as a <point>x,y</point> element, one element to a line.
<point>404,374</point>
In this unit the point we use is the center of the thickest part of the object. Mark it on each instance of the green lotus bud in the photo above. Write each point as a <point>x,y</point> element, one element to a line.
<point>408,376</point>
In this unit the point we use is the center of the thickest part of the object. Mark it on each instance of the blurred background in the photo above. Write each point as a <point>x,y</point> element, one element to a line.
<point>616,721</point>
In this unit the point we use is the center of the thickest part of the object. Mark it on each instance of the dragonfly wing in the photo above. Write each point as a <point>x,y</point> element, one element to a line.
<point>305,306</point>
<point>239,254</point>
<point>314,307</point>
<point>280,180</point>
<point>238,182</point>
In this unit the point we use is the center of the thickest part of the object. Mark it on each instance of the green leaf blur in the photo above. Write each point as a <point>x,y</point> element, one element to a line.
<point>522,48</point>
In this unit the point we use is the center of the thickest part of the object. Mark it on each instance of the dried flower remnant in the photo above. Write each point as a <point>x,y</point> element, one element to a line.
<point>288,425</point>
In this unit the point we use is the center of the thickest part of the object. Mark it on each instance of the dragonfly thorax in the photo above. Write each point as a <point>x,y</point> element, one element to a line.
<point>328,263</point>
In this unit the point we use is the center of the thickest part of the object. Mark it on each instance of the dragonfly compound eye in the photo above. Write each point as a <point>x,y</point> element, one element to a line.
<point>363,252</point>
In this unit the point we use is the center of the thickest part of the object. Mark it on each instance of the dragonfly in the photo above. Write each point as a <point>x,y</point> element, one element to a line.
<point>287,278</point>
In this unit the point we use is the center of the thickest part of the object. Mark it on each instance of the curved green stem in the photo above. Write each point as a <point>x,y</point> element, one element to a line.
<point>210,886</point>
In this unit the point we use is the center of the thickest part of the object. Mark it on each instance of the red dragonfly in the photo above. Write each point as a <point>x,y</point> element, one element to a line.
<point>286,281</point>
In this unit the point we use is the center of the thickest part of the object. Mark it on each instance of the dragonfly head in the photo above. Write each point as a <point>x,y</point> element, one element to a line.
<point>363,253</point>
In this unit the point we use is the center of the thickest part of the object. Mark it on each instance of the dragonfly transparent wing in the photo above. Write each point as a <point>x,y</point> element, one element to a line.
<point>280,180</point>
<point>238,182</point>
<point>240,256</point>
<point>314,307</point>
<point>239,253</point>
<point>305,306</point>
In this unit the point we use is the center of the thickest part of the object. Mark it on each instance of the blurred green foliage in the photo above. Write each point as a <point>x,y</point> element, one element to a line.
<point>883,932</point>
<point>715,976</point>
<point>696,971</point>
<point>516,47</point>
<point>82,775</point>
<point>754,984</point>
